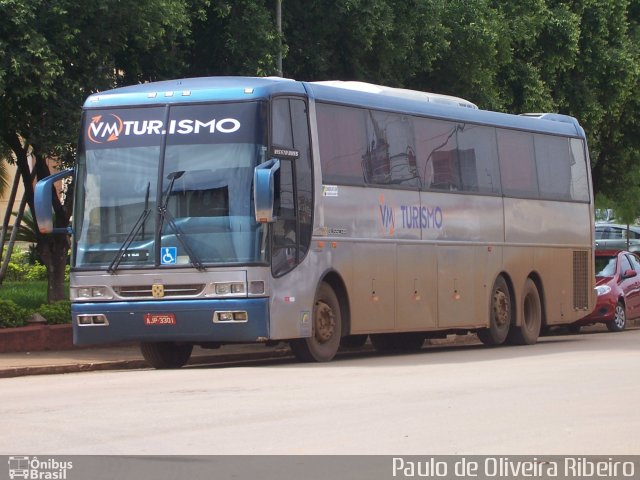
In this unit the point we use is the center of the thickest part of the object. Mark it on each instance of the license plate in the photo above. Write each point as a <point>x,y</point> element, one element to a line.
<point>159,319</point>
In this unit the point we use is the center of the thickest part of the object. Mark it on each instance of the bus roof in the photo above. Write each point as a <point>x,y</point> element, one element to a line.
<point>360,94</point>
<point>441,106</point>
<point>414,95</point>
<point>193,90</point>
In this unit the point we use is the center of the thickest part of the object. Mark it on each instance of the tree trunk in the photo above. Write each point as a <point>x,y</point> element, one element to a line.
<point>53,249</point>
<point>12,240</point>
<point>7,214</point>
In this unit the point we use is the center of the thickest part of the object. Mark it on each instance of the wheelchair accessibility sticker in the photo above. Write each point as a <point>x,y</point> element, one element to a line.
<point>168,255</point>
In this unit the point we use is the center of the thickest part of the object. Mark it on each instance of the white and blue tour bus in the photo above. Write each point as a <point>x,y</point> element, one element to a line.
<point>223,210</point>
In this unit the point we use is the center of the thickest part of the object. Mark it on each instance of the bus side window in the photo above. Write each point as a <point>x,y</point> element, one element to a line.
<point>343,144</point>
<point>517,163</point>
<point>478,159</point>
<point>579,164</point>
<point>554,166</point>
<point>436,153</point>
<point>390,157</point>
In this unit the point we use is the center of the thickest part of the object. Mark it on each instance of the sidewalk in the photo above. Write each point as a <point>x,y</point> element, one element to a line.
<point>121,358</point>
<point>129,356</point>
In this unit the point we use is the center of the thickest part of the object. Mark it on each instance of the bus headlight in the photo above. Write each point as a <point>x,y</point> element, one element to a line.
<point>602,290</point>
<point>91,293</point>
<point>230,289</point>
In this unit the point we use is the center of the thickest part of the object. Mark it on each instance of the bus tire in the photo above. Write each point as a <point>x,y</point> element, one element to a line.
<point>397,342</point>
<point>164,355</point>
<point>326,319</point>
<point>500,314</point>
<point>528,332</point>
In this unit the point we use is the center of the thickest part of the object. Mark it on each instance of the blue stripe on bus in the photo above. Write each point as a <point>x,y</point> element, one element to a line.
<point>194,321</point>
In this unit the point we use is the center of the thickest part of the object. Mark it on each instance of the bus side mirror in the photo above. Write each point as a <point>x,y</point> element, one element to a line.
<point>44,202</point>
<point>264,190</point>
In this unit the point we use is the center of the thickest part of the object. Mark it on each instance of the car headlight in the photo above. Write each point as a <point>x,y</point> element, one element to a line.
<point>602,290</point>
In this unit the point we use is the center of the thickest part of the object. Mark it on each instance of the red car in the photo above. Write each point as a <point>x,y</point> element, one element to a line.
<point>618,289</point>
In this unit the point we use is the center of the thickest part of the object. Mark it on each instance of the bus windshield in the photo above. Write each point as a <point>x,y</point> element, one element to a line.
<point>169,186</point>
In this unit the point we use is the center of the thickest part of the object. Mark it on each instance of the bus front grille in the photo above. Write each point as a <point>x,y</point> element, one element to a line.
<point>581,284</point>
<point>146,291</point>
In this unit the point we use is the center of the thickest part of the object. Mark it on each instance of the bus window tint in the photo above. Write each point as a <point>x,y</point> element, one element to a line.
<point>517,164</point>
<point>390,157</point>
<point>342,142</point>
<point>436,152</point>
<point>579,178</point>
<point>478,159</point>
<point>554,170</point>
<point>372,147</point>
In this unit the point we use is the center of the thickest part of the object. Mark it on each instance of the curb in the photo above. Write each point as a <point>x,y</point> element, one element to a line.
<point>216,359</point>
<point>202,359</point>
<point>136,364</point>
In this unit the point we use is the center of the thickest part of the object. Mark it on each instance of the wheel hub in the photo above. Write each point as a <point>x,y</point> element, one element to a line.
<point>500,308</point>
<point>324,322</point>
<point>619,318</point>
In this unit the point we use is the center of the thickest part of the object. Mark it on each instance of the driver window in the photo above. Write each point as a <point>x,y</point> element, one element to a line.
<point>292,229</point>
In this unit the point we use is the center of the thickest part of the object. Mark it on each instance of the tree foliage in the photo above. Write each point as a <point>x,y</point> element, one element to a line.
<point>52,55</point>
<point>578,57</point>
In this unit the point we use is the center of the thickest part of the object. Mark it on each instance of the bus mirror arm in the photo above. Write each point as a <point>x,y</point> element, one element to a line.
<point>264,190</point>
<point>44,202</point>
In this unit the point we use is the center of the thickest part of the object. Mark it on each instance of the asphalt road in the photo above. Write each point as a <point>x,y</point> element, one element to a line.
<point>569,394</point>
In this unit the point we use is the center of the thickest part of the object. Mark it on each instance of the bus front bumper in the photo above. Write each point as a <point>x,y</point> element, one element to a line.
<point>221,320</point>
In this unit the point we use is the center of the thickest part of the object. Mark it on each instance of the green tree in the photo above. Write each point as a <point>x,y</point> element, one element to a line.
<point>578,57</point>
<point>52,55</point>
<point>477,44</point>
<point>234,37</point>
<point>603,90</point>
<point>376,41</point>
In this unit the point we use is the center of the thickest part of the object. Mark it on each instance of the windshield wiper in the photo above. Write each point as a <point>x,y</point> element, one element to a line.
<point>166,216</point>
<point>132,234</point>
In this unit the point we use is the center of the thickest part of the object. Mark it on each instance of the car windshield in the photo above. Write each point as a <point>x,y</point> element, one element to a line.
<point>605,266</point>
<point>169,186</point>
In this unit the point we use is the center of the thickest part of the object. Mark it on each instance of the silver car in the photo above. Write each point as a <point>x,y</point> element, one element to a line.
<point>614,236</point>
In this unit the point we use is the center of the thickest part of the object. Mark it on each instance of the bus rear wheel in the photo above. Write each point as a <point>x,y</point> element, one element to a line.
<point>528,332</point>
<point>323,344</point>
<point>164,355</point>
<point>500,315</point>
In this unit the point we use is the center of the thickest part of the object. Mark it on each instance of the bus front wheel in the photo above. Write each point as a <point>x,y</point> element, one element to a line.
<point>323,344</point>
<point>500,315</point>
<point>163,355</point>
